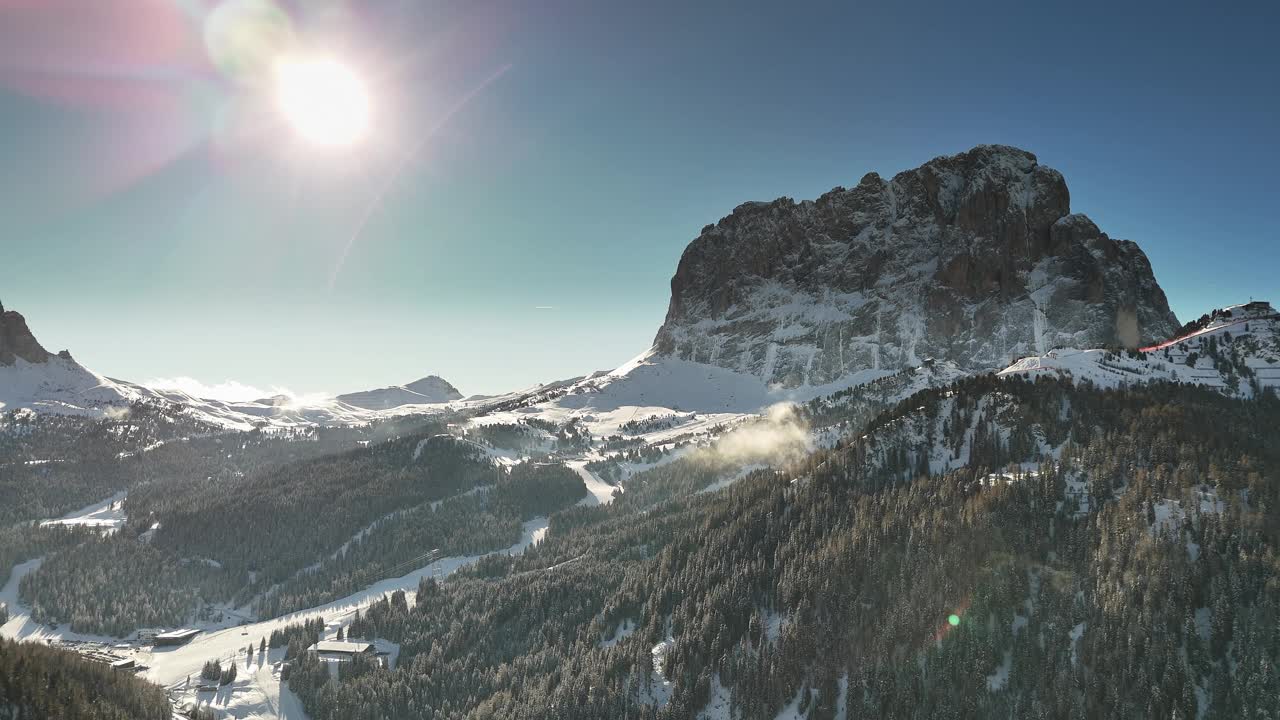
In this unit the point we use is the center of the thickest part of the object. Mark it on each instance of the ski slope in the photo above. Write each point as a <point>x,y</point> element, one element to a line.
<point>257,692</point>
<point>599,492</point>
<point>107,515</point>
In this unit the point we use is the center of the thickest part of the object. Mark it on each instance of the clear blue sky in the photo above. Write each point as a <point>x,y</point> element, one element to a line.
<point>562,153</point>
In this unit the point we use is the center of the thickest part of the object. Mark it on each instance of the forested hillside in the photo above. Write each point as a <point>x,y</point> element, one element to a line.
<point>287,535</point>
<point>480,521</point>
<point>37,681</point>
<point>1102,554</point>
<point>52,464</point>
<point>989,547</point>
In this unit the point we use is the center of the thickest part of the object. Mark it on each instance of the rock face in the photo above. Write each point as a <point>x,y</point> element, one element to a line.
<point>974,258</point>
<point>429,390</point>
<point>16,340</point>
<point>33,378</point>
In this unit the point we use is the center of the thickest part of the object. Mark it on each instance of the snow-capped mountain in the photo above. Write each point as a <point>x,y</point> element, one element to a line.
<point>1234,349</point>
<point>963,264</point>
<point>35,379</point>
<point>974,258</point>
<point>432,389</point>
<point>17,342</point>
<point>272,412</point>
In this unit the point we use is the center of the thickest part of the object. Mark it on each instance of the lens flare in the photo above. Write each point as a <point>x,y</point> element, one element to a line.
<point>243,37</point>
<point>954,620</point>
<point>324,100</point>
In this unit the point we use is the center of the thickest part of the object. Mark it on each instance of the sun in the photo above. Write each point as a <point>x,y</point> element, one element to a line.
<point>324,100</point>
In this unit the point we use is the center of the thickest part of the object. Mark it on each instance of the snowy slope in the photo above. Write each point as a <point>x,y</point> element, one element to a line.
<point>32,377</point>
<point>63,386</point>
<point>60,385</point>
<point>276,412</point>
<point>35,379</point>
<point>1237,352</point>
<point>699,396</point>
<point>427,391</point>
<point>107,516</point>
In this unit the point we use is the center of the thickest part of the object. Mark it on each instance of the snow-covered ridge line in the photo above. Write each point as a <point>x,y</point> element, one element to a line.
<point>1238,354</point>
<point>61,386</point>
<point>1233,315</point>
<point>32,379</point>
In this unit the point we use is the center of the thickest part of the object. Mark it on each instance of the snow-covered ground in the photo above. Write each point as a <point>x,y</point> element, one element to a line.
<point>660,688</point>
<point>59,385</point>
<point>19,622</point>
<point>682,399</point>
<point>1182,360</point>
<point>599,491</point>
<point>1170,514</point>
<point>717,707</point>
<point>1076,633</point>
<point>644,387</point>
<point>257,693</point>
<point>792,711</point>
<point>107,515</point>
<point>701,397</point>
<point>64,387</point>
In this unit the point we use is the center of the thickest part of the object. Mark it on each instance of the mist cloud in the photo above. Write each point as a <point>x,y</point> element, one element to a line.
<point>779,435</point>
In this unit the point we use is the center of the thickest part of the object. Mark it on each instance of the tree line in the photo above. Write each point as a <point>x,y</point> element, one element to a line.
<point>39,681</point>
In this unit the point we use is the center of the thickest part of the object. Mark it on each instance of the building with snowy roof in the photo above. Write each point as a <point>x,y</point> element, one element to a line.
<point>343,648</point>
<point>176,637</point>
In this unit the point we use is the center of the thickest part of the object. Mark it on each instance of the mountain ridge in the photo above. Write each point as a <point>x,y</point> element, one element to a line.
<point>428,390</point>
<point>1236,351</point>
<point>17,341</point>
<point>974,257</point>
<point>31,378</point>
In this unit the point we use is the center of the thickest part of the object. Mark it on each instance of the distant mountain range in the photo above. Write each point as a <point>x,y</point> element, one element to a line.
<point>33,379</point>
<point>972,261</point>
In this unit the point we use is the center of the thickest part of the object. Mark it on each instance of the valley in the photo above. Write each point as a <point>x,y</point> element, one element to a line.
<point>842,482</point>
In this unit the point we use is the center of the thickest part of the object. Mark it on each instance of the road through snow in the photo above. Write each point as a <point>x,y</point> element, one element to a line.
<point>258,693</point>
<point>173,665</point>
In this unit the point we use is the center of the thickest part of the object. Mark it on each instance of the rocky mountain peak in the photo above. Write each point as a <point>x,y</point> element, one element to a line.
<point>16,340</point>
<point>974,258</point>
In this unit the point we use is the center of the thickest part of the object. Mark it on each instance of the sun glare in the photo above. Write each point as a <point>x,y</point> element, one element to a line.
<point>322,99</point>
